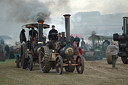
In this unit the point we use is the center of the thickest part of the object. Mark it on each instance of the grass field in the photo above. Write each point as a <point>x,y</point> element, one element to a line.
<point>96,73</point>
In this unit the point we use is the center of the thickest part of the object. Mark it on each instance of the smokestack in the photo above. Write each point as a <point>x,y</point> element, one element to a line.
<point>40,28</point>
<point>125,25</point>
<point>67,27</point>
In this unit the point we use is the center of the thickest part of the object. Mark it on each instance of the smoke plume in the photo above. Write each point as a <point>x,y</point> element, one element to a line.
<point>26,10</point>
<point>59,7</point>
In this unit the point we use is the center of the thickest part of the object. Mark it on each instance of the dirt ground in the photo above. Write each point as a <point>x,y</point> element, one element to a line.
<point>95,73</point>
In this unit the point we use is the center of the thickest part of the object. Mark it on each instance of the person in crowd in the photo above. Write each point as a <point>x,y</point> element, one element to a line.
<point>77,40</point>
<point>59,36</point>
<point>83,43</point>
<point>71,39</point>
<point>22,36</point>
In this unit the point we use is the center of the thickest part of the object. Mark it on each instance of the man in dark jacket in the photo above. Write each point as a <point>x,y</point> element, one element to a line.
<point>22,36</point>
<point>77,39</point>
<point>53,34</point>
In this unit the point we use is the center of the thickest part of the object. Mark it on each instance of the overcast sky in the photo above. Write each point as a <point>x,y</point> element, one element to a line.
<point>103,6</point>
<point>11,11</point>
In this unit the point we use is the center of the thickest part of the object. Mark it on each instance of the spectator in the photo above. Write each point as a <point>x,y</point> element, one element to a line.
<point>71,39</point>
<point>59,36</point>
<point>77,39</point>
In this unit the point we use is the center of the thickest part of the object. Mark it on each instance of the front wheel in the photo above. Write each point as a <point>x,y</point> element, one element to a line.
<point>45,66</point>
<point>80,62</point>
<point>30,62</point>
<point>59,65</point>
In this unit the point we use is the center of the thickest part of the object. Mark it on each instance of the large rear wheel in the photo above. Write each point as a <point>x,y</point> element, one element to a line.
<point>124,60</point>
<point>24,63</point>
<point>59,65</point>
<point>17,61</point>
<point>108,56</point>
<point>80,62</point>
<point>23,56</point>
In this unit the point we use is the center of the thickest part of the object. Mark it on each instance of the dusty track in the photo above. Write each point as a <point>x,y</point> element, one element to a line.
<point>96,73</point>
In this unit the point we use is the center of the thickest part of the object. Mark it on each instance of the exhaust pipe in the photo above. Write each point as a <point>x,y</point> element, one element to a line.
<point>40,28</point>
<point>125,25</point>
<point>67,27</point>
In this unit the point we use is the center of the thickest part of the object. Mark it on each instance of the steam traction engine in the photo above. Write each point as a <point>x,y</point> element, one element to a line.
<point>29,48</point>
<point>62,55</point>
<point>123,41</point>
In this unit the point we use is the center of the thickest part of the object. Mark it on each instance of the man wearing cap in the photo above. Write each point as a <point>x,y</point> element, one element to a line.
<point>53,34</point>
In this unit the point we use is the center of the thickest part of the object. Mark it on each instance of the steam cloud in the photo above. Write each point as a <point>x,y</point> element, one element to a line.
<point>26,10</point>
<point>58,7</point>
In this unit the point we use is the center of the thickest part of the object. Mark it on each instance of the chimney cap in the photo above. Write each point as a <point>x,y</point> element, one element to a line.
<point>40,19</point>
<point>67,15</point>
<point>125,17</point>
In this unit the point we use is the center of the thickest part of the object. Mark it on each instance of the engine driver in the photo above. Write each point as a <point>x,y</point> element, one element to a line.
<point>53,34</point>
<point>33,33</point>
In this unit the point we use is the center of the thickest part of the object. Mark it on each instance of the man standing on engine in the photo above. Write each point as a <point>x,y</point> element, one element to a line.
<point>53,34</point>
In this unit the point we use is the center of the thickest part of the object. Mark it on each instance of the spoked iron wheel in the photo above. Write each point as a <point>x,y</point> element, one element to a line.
<point>30,62</point>
<point>45,66</point>
<point>59,65</point>
<point>80,66</point>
